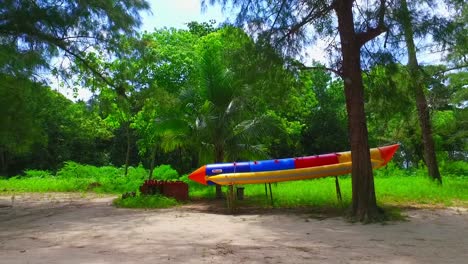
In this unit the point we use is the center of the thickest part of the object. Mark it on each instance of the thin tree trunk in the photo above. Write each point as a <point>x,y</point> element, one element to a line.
<point>153,157</point>
<point>364,205</point>
<point>219,157</point>
<point>127,156</point>
<point>181,162</point>
<point>418,88</point>
<point>195,160</point>
<point>4,162</point>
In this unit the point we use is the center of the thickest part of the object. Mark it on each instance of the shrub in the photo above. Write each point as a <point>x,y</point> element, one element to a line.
<point>185,179</point>
<point>455,168</point>
<point>165,172</point>
<point>72,169</point>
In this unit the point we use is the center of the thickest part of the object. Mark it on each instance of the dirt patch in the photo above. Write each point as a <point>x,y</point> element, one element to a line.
<point>76,228</point>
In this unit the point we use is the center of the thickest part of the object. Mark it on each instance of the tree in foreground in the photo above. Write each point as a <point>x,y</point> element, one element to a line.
<point>32,32</point>
<point>418,88</point>
<point>289,25</point>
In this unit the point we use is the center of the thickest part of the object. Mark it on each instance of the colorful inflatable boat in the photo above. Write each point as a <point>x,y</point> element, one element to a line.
<point>278,170</point>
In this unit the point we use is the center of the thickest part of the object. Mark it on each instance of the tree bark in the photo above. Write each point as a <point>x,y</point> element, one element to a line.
<point>4,162</point>
<point>219,157</point>
<point>421,103</point>
<point>127,156</point>
<point>153,157</point>
<point>195,160</point>
<point>364,205</point>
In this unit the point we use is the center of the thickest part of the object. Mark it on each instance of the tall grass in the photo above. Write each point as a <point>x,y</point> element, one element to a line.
<point>410,187</point>
<point>74,177</point>
<point>394,186</point>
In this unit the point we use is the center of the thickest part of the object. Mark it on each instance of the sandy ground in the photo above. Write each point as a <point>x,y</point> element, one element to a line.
<point>69,228</point>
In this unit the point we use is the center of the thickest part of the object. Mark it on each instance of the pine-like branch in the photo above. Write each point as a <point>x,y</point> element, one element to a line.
<point>373,32</point>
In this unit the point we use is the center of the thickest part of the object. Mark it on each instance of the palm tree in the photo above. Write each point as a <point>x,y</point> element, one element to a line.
<point>226,127</point>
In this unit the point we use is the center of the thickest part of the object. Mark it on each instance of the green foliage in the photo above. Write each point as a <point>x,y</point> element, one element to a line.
<point>220,115</point>
<point>50,184</point>
<point>72,169</point>
<point>314,193</point>
<point>75,177</point>
<point>42,128</point>
<point>189,97</point>
<point>394,187</point>
<point>455,168</point>
<point>452,34</point>
<point>146,201</point>
<point>34,31</point>
<point>165,172</point>
<point>20,130</point>
<point>326,126</point>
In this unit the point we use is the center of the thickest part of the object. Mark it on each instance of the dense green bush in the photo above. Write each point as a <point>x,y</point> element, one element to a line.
<point>121,183</point>
<point>459,168</point>
<point>185,179</point>
<point>165,172</point>
<point>79,177</point>
<point>72,169</point>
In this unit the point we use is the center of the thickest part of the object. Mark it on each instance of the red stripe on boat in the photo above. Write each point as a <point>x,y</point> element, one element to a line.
<point>315,161</point>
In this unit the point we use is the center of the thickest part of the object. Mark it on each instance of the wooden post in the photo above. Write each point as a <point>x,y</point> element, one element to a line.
<point>271,194</point>
<point>230,199</point>
<point>338,190</point>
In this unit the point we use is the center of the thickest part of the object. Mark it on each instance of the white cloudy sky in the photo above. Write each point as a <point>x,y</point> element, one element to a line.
<point>176,13</point>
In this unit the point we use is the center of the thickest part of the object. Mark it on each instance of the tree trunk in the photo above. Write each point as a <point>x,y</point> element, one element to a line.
<point>418,88</point>
<point>153,157</point>
<point>219,157</point>
<point>127,156</point>
<point>195,160</point>
<point>364,205</point>
<point>4,162</point>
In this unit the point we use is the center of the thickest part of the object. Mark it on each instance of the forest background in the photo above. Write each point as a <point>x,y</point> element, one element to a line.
<point>218,93</point>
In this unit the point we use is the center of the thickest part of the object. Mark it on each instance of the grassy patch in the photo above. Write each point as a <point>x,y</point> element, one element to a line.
<point>311,193</point>
<point>395,188</point>
<point>146,201</point>
<point>74,177</point>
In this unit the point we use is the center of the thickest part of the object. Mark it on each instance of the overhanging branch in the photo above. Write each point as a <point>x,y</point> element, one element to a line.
<point>372,32</point>
<point>311,16</point>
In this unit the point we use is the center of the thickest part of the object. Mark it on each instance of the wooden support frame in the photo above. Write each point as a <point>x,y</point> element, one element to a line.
<point>271,193</point>
<point>338,190</point>
<point>231,199</point>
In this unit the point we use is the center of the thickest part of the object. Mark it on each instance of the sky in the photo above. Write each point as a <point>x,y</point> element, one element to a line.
<point>176,13</point>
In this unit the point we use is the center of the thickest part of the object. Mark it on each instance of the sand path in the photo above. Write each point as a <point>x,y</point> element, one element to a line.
<point>68,228</point>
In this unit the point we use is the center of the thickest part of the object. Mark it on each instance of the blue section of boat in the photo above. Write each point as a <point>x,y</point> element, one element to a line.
<point>214,169</point>
<point>272,165</point>
<point>252,166</point>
